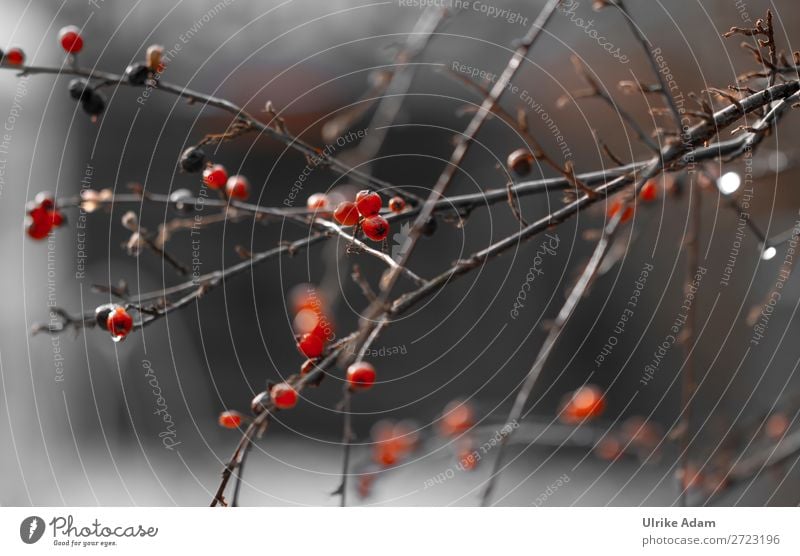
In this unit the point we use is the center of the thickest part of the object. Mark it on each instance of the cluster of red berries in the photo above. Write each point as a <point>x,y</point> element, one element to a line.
<point>365,213</point>
<point>282,395</point>
<point>215,176</point>
<point>585,403</point>
<point>43,216</point>
<point>636,436</point>
<point>648,194</point>
<point>311,324</point>
<point>115,319</point>
<point>457,418</point>
<point>393,442</point>
<point>711,481</point>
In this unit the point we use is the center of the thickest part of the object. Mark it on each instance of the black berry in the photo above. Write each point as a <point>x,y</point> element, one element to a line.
<point>137,74</point>
<point>93,103</point>
<point>78,88</point>
<point>192,160</point>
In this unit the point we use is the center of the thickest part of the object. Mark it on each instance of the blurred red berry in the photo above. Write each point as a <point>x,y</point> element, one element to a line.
<point>585,403</point>
<point>361,376</point>
<point>14,56</point>
<point>306,296</point>
<point>368,203</point>
<point>317,201</point>
<point>690,477</point>
<point>323,328</point>
<point>70,39</point>
<point>776,426</point>
<point>37,230</point>
<point>346,214</point>
<point>311,345</point>
<point>375,228</point>
<point>230,419</point>
<point>467,459</point>
<point>649,191</point>
<point>385,454</point>
<point>457,417</point>
<point>365,483</point>
<point>215,176</point>
<point>397,204</point>
<point>609,449</point>
<point>238,187</point>
<point>283,395</point>
<point>615,208</point>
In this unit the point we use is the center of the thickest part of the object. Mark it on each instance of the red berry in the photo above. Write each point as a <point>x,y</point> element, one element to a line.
<point>311,345</point>
<point>385,454</point>
<point>36,229</point>
<point>690,478</point>
<point>376,228</point>
<point>585,403</point>
<point>397,204</point>
<point>615,208</point>
<point>70,39</point>
<point>41,215</point>
<point>609,449</point>
<point>41,220</point>
<point>284,396</point>
<point>776,426</point>
<point>119,323</point>
<point>649,191</point>
<point>238,187</point>
<point>230,419</point>
<point>360,376</point>
<point>215,176</point>
<point>346,214</point>
<point>368,203</point>
<point>457,418</point>
<point>467,460</point>
<point>317,201</point>
<point>15,56</point>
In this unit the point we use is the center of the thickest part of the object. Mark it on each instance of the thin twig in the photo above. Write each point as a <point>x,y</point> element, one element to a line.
<point>275,132</point>
<point>689,382</point>
<point>647,47</point>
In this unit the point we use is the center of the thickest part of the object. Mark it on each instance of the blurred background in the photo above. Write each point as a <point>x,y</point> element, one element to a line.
<point>79,422</point>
